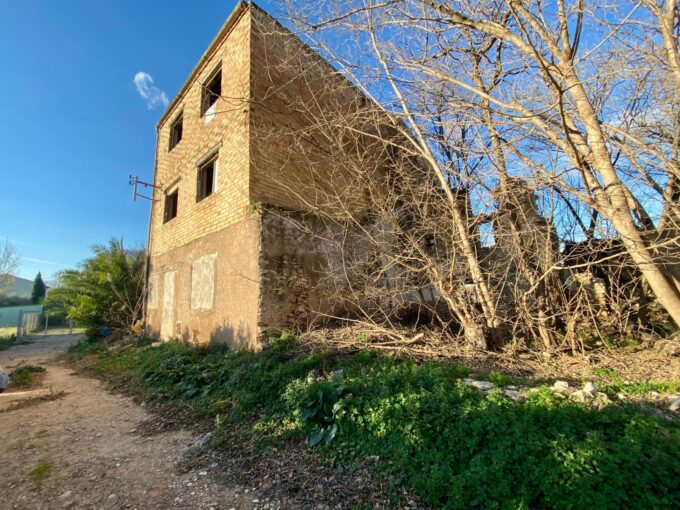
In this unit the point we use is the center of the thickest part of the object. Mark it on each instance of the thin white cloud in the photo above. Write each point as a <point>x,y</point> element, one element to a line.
<point>14,241</point>
<point>43,261</point>
<point>152,95</point>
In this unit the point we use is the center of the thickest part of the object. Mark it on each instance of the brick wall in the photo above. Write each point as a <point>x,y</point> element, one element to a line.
<point>299,145</point>
<point>228,132</point>
<point>272,143</point>
<point>221,230</point>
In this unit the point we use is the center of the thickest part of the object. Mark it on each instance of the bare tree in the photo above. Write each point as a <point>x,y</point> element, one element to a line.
<point>10,259</point>
<point>533,122</point>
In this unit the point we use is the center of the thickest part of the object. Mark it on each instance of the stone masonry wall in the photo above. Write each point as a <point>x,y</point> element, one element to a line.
<point>293,259</point>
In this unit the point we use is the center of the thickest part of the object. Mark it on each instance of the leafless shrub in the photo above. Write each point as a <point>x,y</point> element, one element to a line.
<point>474,141</point>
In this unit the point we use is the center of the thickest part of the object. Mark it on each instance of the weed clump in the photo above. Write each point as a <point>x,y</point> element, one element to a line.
<point>7,341</point>
<point>91,344</point>
<point>25,376</point>
<point>40,473</point>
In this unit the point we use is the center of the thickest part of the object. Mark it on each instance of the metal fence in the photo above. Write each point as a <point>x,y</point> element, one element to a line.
<point>36,323</point>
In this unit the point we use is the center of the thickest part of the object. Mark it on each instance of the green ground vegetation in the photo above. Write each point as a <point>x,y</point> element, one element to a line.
<point>25,376</point>
<point>610,381</point>
<point>40,473</point>
<point>455,447</point>
<point>7,339</point>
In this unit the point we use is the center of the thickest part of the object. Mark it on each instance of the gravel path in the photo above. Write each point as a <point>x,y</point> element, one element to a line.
<point>71,444</point>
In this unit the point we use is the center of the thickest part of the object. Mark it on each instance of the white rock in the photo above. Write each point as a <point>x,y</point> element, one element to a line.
<point>561,386</point>
<point>65,495</point>
<point>198,445</point>
<point>205,439</point>
<point>602,398</point>
<point>581,396</point>
<point>480,385</point>
<point>590,388</point>
<point>675,405</point>
<point>513,394</point>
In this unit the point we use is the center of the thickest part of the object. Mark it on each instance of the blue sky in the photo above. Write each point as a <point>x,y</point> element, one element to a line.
<point>74,125</point>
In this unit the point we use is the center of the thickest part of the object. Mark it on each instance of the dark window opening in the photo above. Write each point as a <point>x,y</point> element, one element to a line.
<point>176,132</point>
<point>170,205</point>
<point>206,180</point>
<point>212,90</point>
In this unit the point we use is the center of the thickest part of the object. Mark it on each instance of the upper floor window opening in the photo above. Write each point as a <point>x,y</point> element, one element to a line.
<point>171,202</point>
<point>176,131</point>
<point>212,90</point>
<point>207,174</point>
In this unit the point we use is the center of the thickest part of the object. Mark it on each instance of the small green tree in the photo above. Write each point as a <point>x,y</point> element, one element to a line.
<point>106,290</point>
<point>39,289</point>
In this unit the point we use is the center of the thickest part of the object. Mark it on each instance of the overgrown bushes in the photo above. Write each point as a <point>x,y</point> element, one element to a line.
<point>455,447</point>
<point>7,341</point>
<point>25,376</point>
<point>106,290</point>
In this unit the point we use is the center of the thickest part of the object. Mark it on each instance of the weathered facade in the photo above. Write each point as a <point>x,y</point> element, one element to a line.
<point>223,266</point>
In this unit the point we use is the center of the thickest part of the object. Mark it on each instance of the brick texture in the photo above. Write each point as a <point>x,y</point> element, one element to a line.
<point>269,80</point>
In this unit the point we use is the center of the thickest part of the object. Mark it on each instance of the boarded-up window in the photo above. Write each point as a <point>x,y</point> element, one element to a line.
<point>203,282</point>
<point>152,292</point>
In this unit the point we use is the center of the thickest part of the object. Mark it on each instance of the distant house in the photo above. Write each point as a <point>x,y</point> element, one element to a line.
<point>13,286</point>
<point>15,297</point>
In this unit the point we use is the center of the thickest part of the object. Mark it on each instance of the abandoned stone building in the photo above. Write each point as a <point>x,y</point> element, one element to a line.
<point>223,267</point>
<point>262,137</point>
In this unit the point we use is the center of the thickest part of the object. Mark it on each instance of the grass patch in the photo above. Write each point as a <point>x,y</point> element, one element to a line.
<point>7,341</point>
<point>453,446</point>
<point>640,388</point>
<point>25,376</point>
<point>89,345</point>
<point>499,379</point>
<point>610,381</point>
<point>40,473</point>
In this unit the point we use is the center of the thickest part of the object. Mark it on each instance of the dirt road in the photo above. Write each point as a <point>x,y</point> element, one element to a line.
<point>71,444</point>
